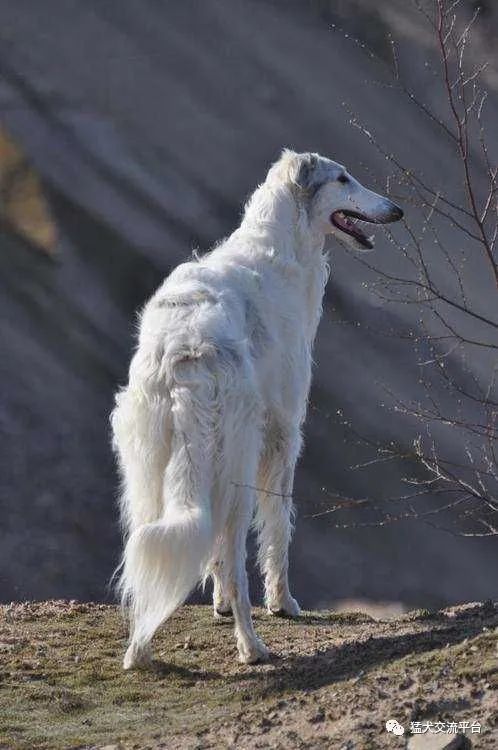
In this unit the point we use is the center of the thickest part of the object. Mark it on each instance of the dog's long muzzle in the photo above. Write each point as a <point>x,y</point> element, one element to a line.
<point>350,220</point>
<point>392,213</point>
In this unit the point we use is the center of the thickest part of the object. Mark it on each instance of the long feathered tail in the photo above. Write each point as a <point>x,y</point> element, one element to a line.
<point>163,563</point>
<point>166,448</point>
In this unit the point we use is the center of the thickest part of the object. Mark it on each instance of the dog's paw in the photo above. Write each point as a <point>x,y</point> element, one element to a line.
<point>137,658</point>
<point>254,652</point>
<point>221,613</point>
<point>286,608</point>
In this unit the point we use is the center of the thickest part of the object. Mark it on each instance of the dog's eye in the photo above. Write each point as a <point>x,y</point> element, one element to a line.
<point>343,178</point>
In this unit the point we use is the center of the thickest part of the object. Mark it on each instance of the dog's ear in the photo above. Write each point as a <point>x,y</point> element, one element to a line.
<point>305,177</point>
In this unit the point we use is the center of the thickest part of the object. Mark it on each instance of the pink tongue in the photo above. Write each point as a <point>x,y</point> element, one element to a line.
<point>343,221</point>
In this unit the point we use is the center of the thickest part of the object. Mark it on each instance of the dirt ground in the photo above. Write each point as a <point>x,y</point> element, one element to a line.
<point>333,680</point>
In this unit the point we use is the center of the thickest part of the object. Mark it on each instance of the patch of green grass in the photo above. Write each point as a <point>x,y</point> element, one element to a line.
<point>66,682</point>
<point>335,618</point>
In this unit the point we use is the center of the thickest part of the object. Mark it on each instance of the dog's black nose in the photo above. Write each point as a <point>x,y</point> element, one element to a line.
<point>396,213</point>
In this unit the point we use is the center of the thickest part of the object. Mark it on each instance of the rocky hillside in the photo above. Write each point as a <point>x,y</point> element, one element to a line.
<point>332,682</point>
<point>148,124</point>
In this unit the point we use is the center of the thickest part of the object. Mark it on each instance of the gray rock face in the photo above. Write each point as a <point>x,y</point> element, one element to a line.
<point>150,124</point>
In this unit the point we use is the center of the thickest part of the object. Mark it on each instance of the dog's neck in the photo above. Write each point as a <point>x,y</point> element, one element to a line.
<point>278,217</point>
<point>276,230</point>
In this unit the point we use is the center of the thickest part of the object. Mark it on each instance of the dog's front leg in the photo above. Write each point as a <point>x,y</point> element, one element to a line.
<point>221,602</point>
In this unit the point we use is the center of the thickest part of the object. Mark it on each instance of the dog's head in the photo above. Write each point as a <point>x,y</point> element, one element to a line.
<point>336,202</point>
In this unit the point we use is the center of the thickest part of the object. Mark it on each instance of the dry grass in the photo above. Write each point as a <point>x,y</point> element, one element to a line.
<point>333,678</point>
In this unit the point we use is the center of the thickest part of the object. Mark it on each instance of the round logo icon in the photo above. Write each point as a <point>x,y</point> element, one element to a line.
<point>394,727</point>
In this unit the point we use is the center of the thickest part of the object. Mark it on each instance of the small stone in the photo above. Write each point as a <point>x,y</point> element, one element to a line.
<point>318,717</point>
<point>406,683</point>
<point>438,742</point>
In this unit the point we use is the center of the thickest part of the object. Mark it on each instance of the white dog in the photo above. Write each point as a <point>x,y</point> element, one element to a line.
<point>208,429</point>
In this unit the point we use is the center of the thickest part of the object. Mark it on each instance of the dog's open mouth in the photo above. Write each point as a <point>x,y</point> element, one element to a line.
<point>349,223</point>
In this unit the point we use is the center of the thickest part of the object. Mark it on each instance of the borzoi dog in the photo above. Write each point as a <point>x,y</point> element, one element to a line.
<point>208,429</point>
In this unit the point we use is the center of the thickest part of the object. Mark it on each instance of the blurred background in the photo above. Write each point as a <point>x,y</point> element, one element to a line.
<point>131,132</point>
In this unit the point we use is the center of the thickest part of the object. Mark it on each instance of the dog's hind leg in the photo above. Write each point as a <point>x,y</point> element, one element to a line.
<point>141,428</point>
<point>243,440</point>
<point>251,648</point>
<point>164,559</point>
<point>274,518</point>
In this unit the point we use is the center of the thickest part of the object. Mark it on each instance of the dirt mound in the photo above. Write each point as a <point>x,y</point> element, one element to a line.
<point>333,680</point>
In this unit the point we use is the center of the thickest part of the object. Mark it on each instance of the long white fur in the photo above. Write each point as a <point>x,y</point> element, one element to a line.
<point>215,402</point>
